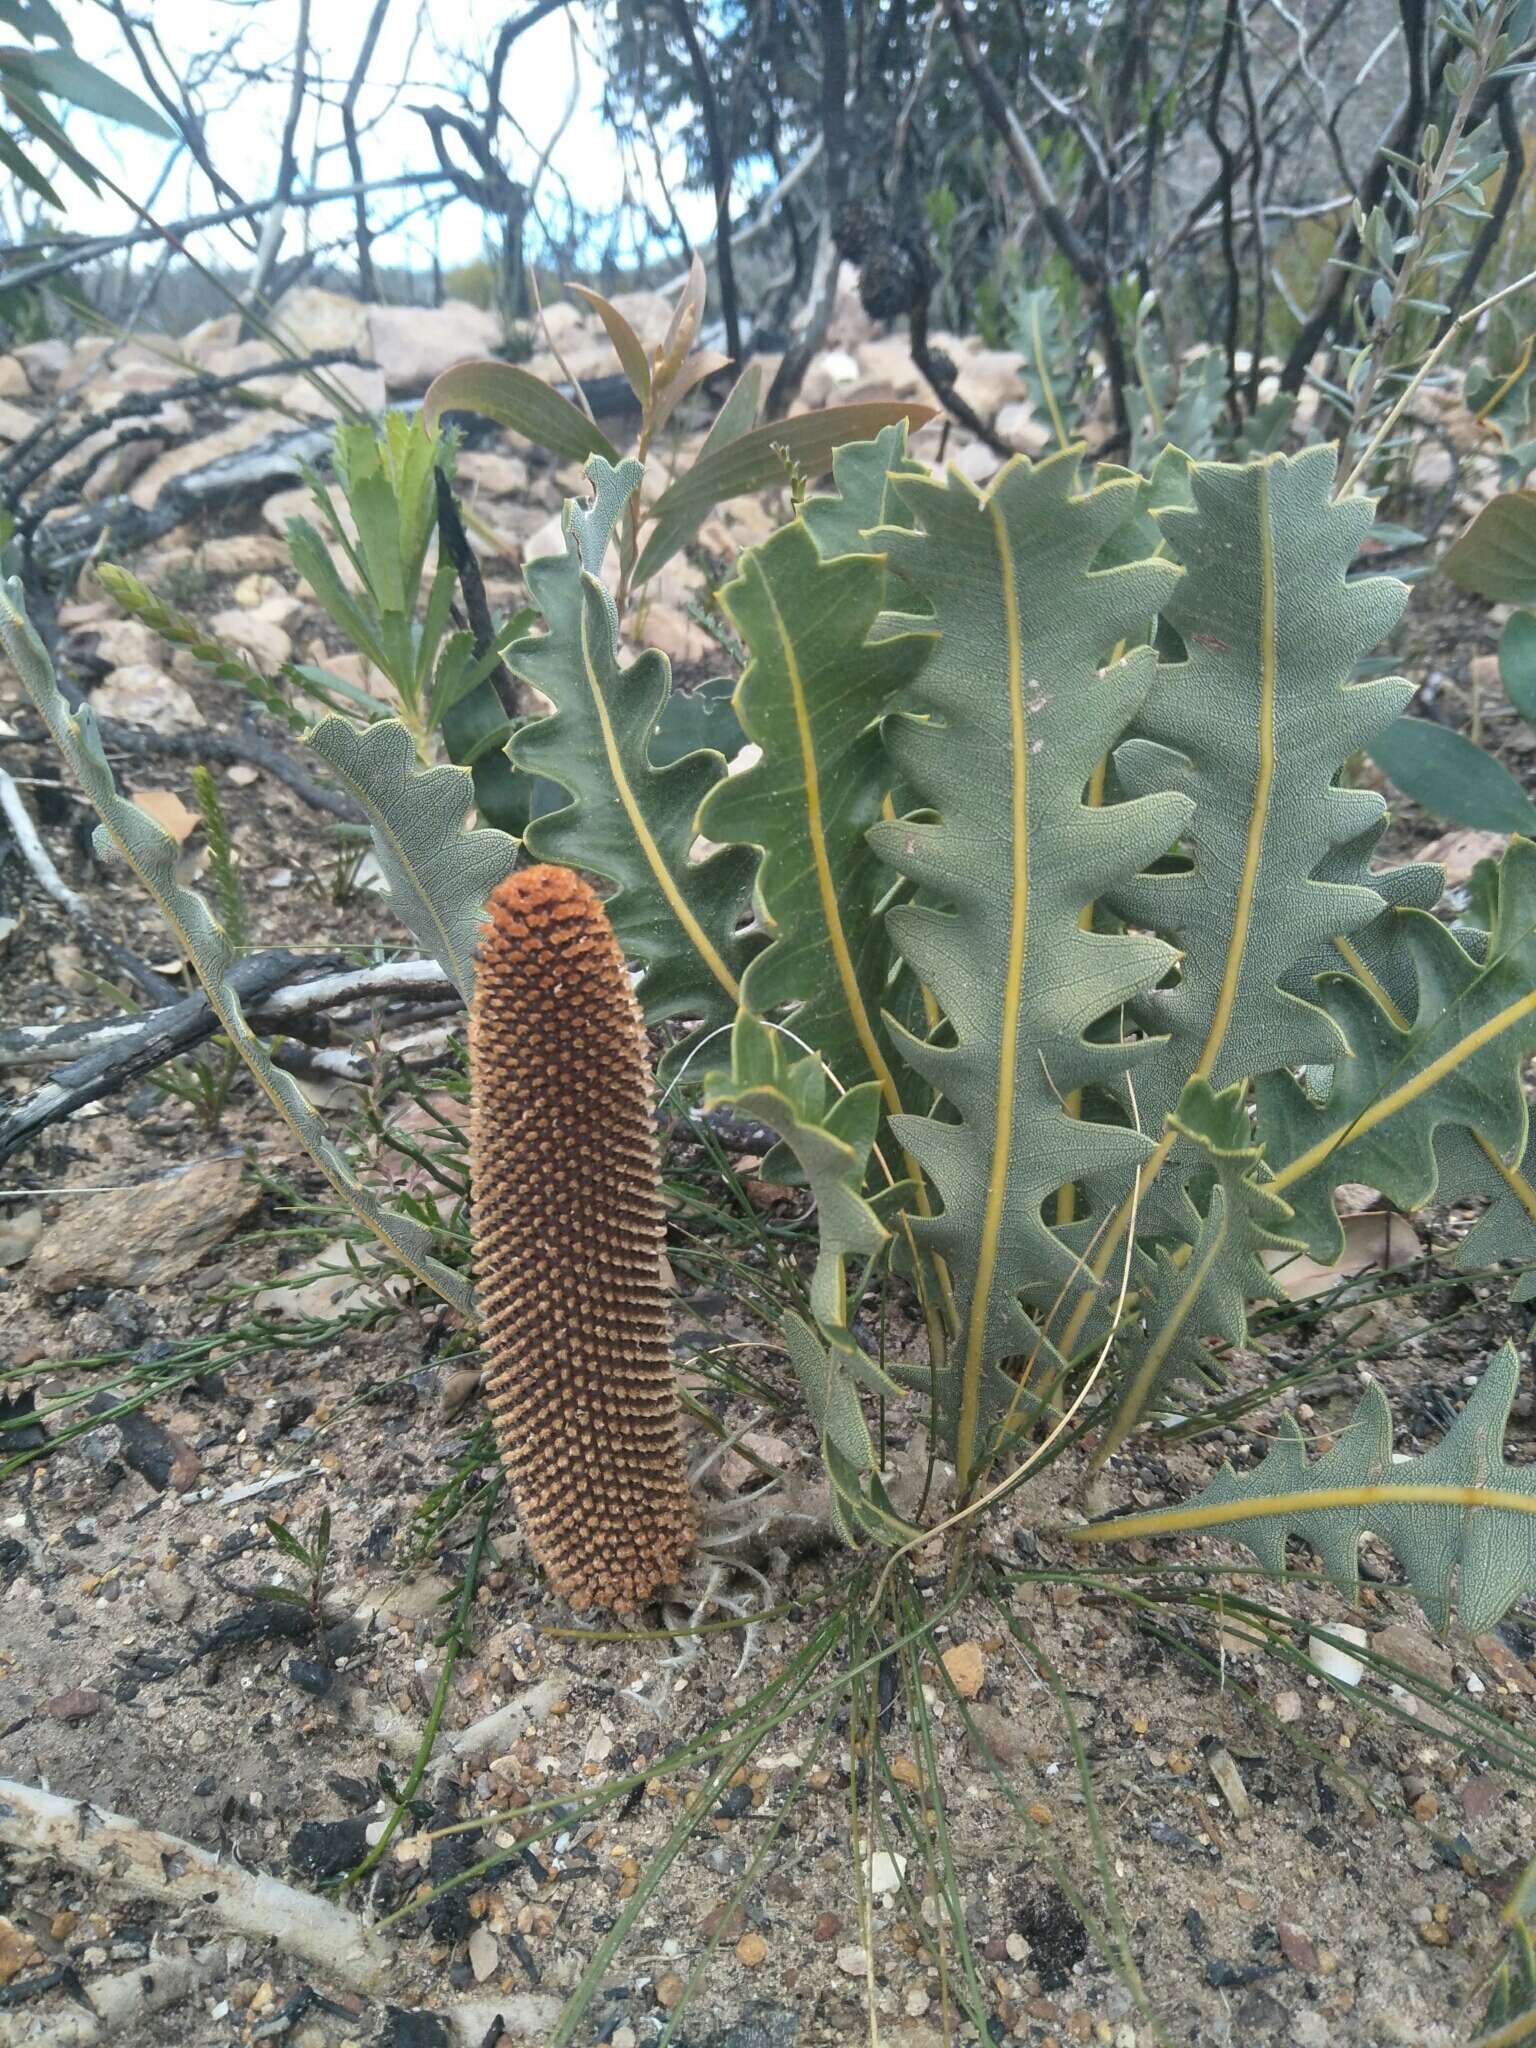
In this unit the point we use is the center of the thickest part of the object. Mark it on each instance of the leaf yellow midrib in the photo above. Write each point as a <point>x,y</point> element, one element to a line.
<point>1511,1176</point>
<point>1215,1514</point>
<point>1128,1412</point>
<point>1258,818</point>
<point>816,834</point>
<point>1420,1084</point>
<point>1008,1033</point>
<point>638,826</point>
<point>1263,790</point>
<point>461,969</point>
<point>1037,343</point>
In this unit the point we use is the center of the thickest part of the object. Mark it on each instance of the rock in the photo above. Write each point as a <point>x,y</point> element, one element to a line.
<point>142,694</point>
<point>309,396</point>
<point>1017,425</point>
<point>751,1950</point>
<point>850,1960</point>
<point>261,638</point>
<point>826,1927</point>
<point>967,1669</point>
<point>457,1390</point>
<point>78,1704</point>
<point>245,431</point>
<point>15,422</point>
<point>44,362</point>
<point>414,344</point>
<point>243,554</point>
<point>674,634</point>
<point>1459,853</point>
<point>1295,1946</point>
<point>498,476</point>
<point>989,378</point>
<point>977,462</point>
<point>18,1234</point>
<point>1287,1706</point>
<point>484,1954</point>
<point>995,1735</point>
<point>150,1232</point>
<point>125,643</point>
<point>14,381</point>
<point>169,1595</point>
<point>1229,1781</point>
<point>1334,1663</point>
<point>885,1873</point>
<point>17,1950</point>
<point>1309,2029</point>
<point>412,1601</point>
<point>1414,1650</point>
<point>313,319</point>
<point>669,1991</point>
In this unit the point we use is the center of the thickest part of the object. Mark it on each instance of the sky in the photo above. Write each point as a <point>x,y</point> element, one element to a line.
<point>421,55</point>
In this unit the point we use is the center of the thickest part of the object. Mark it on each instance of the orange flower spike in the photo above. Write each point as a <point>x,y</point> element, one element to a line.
<point>568,1234</point>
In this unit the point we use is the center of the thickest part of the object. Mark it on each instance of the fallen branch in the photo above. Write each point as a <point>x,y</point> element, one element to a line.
<point>111,1052</point>
<point>124,1999</point>
<point>113,1851</point>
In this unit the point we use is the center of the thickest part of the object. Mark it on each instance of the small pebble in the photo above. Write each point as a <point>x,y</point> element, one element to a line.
<point>850,1960</point>
<point>1335,1663</point>
<point>826,1927</point>
<point>751,1950</point>
<point>967,1669</point>
<point>1287,1706</point>
<point>669,1991</point>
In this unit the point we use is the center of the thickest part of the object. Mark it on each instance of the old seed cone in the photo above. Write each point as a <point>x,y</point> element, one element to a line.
<point>568,1231</point>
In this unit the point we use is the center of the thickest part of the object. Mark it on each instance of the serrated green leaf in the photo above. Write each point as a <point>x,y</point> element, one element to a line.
<point>754,460</point>
<point>831,1146</point>
<point>152,855</point>
<point>1202,1290</point>
<point>1048,368</point>
<point>842,521</point>
<point>439,875</point>
<point>1457,1064</point>
<point>811,697</point>
<point>1475,1555</point>
<point>1017,708</point>
<point>628,820</point>
<point>1254,727</point>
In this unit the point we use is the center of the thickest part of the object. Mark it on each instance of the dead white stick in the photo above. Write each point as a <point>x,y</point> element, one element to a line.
<point>123,1999</point>
<point>144,1863</point>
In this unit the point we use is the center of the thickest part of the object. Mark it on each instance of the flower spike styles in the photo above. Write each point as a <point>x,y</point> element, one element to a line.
<point>568,1233</point>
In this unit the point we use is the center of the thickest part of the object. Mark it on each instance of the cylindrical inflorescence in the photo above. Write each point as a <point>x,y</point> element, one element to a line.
<point>568,1233</point>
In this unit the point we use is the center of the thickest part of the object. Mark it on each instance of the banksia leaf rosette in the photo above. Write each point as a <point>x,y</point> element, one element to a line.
<point>568,1233</point>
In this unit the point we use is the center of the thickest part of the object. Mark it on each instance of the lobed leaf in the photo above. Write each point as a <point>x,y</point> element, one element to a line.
<point>439,875</point>
<point>1461,1518</point>
<point>628,820</point>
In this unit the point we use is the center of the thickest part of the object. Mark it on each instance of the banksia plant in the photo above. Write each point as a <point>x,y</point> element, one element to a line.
<point>568,1231</point>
